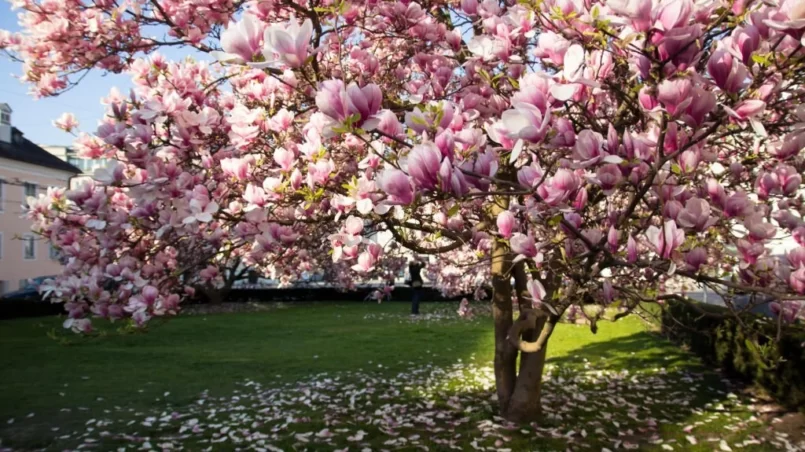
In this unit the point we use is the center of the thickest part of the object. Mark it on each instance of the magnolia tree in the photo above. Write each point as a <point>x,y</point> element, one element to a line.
<point>563,152</point>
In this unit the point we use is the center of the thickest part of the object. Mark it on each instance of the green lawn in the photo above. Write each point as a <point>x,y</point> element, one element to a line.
<point>312,376</point>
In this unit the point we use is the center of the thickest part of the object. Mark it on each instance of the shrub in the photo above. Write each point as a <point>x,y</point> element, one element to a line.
<point>748,349</point>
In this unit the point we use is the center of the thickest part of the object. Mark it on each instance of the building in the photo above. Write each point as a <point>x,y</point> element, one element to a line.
<point>69,155</point>
<point>25,170</point>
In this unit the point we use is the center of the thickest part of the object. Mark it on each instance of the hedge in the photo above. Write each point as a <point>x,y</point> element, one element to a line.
<point>34,307</point>
<point>751,352</point>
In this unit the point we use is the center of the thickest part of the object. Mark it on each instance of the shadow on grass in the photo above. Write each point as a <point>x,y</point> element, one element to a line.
<point>682,399</point>
<point>639,350</point>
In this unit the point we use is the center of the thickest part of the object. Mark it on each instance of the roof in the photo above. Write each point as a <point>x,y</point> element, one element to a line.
<point>26,151</point>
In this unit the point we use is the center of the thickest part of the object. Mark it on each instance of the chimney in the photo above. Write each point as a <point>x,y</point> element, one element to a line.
<point>5,123</point>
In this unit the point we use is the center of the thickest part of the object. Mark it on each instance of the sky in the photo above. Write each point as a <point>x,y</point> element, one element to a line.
<point>35,117</point>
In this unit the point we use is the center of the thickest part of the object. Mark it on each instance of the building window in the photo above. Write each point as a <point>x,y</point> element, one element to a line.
<point>24,283</point>
<point>5,118</point>
<point>30,189</point>
<point>55,253</point>
<point>29,247</point>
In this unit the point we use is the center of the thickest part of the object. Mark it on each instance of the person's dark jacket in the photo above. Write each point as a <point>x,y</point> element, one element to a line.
<point>415,269</point>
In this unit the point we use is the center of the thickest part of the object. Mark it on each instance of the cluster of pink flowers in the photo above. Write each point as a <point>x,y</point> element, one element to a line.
<point>610,145</point>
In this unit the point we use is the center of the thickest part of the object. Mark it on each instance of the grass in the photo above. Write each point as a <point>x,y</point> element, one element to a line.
<point>51,388</point>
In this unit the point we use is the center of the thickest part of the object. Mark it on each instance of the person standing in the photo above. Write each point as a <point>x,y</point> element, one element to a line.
<point>415,270</point>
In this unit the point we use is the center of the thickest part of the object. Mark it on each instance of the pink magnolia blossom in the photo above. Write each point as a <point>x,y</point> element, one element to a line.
<point>788,310</point>
<point>696,215</point>
<point>559,188</point>
<point>397,186</point>
<point>737,204</point>
<point>66,122</point>
<point>797,281</point>
<point>386,122</point>
<point>747,109</point>
<point>665,240</point>
<point>796,257</point>
<point>339,103</point>
<point>671,14</point>
<point>284,158</point>
<point>758,229</point>
<point>637,11</point>
<point>794,23</point>
<point>506,224</point>
<point>695,258</point>
<point>536,290</point>
<point>631,250</point>
<point>745,41</point>
<point>242,42</point>
<point>588,148</point>
<point>236,168</point>
<point>750,251</point>
<point>607,290</point>
<point>613,237</point>
<point>526,122</point>
<point>608,177</point>
<point>789,179</point>
<point>728,73</point>
<point>552,46</point>
<point>201,211</point>
<point>675,94</point>
<point>289,42</point>
<point>354,225</point>
<point>424,162</point>
<point>524,246</point>
<point>366,262</point>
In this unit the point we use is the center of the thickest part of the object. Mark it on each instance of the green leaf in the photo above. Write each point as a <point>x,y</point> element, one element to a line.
<point>418,120</point>
<point>353,118</point>
<point>453,210</point>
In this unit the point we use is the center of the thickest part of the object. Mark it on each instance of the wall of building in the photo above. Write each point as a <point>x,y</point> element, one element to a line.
<point>14,266</point>
<point>69,155</point>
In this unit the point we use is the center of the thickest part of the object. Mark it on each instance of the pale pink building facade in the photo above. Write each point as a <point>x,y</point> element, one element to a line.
<point>25,170</point>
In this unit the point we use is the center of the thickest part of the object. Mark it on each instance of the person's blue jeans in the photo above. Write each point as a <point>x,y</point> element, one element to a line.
<point>416,296</point>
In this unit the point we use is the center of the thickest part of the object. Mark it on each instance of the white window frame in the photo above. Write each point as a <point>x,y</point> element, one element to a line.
<point>25,239</point>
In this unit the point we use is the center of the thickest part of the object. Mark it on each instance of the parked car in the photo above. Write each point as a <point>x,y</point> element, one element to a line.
<point>29,292</point>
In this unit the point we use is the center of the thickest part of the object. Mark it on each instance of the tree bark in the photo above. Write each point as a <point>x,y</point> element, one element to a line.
<point>214,295</point>
<point>505,353</point>
<point>525,400</point>
<point>518,391</point>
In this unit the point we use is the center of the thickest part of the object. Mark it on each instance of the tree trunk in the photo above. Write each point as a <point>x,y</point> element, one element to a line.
<point>505,353</point>
<point>213,295</point>
<point>217,295</point>
<point>518,392</point>
<point>525,402</point>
